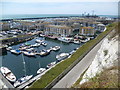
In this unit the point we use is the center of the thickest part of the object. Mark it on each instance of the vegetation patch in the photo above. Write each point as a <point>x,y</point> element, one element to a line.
<point>48,77</point>
<point>116,31</point>
<point>106,79</point>
<point>105,52</point>
<point>76,84</point>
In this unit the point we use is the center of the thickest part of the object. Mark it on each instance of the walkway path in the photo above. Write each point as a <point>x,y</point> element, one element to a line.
<point>71,77</point>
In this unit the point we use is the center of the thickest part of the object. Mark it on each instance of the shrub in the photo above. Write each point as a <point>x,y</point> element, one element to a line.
<point>105,52</point>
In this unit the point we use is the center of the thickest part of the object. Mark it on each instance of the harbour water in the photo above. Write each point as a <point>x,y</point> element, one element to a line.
<point>32,64</point>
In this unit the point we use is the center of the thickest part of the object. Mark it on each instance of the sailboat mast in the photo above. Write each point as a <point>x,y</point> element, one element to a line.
<point>24,63</point>
<point>39,63</point>
<point>1,61</point>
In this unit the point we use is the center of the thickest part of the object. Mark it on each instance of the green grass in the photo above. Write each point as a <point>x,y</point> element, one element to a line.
<point>106,79</point>
<point>105,52</point>
<point>58,69</point>
<point>76,84</point>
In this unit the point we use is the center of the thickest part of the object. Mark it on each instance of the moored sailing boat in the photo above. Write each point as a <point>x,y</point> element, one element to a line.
<point>23,79</point>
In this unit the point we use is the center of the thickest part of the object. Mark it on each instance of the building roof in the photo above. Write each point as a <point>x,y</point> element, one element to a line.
<point>87,28</point>
<point>59,26</point>
<point>101,24</point>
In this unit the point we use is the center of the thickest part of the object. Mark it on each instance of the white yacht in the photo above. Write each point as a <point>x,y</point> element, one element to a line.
<point>51,64</point>
<point>29,53</point>
<point>24,48</point>
<point>39,41</point>
<point>64,39</point>
<point>9,48</point>
<point>41,70</point>
<point>8,74</point>
<point>36,45</point>
<point>76,42</point>
<point>15,51</point>
<point>44,44</point>
<point>55,48</point>
<point>30,49</point>
<point>86,40</point>
<point>42,35</point>
<point>44,52</point>
<point>72,52</point>
<point>22,80</point>
<point>62,56</point>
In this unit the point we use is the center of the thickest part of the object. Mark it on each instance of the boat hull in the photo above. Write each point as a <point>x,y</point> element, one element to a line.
<point>62,56</point>
<point>22,80</point>
<point>63,40</point>
<point>30,55</point>
<point>8,74</point>
<point>14,52</point>
<point>59,59</point>
<point>41,70</point>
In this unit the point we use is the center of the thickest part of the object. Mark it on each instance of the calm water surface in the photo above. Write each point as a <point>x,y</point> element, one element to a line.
<point>15,62</point>
<point>18,16</point>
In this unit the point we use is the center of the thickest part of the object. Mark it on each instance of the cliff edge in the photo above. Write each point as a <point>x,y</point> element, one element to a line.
<point>103,71</point>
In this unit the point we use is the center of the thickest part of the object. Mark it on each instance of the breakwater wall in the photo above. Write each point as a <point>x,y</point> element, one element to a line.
<point>16,40</point>
<point>3,50</point>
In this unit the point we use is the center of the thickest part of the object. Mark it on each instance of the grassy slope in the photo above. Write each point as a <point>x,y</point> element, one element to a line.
<point>106,79</point>
<point>54,72</point>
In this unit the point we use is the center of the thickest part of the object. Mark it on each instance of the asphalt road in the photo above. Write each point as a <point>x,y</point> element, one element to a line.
<point>71,77</point>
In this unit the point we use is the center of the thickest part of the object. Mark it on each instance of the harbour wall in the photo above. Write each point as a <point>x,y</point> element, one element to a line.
<point>13,41</point>
<point>3,50</point>
<point>17,40</point>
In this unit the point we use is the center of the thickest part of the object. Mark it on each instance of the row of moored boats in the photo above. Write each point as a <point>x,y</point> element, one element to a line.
<point>69,39</point>
<point>29,50</point>
<point>12,78</point>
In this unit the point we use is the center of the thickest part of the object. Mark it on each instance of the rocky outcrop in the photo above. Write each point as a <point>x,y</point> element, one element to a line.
<point>106,57</point>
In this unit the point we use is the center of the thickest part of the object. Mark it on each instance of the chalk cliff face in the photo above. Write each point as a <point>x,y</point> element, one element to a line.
<point>107,56</point>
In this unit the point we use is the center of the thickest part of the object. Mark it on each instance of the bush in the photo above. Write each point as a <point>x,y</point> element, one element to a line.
<point>105,52</point>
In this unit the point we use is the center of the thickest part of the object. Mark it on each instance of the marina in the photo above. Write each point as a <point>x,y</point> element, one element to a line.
<point>34,63</point>
<point>52,44</point>
<point>38,45</point>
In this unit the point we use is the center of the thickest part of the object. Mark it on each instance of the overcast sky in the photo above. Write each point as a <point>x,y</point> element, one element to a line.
<point>101,7</point>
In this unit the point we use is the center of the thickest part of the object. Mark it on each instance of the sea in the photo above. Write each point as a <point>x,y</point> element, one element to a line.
<point>20,16</point>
